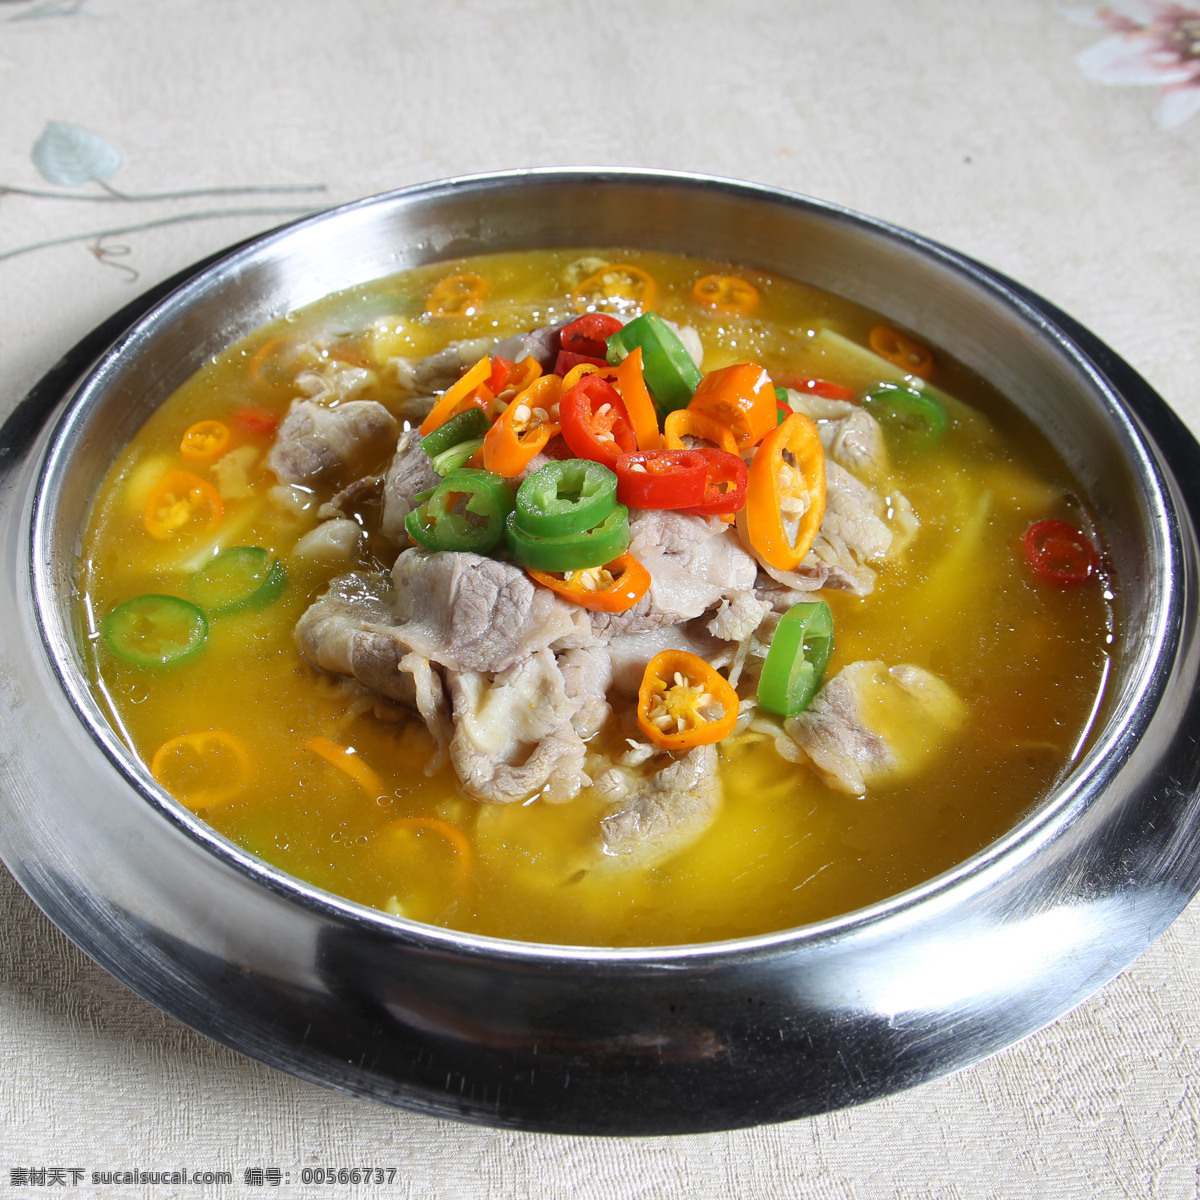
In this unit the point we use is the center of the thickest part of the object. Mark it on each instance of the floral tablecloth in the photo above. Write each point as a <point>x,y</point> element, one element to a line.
<point>1060,144</point>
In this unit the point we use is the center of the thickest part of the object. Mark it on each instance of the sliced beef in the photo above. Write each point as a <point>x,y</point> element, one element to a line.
<point>334,381</point>
<point>694,563</point>
<point>314,441</point>
<point>629,653</point>
<point>868,724</point>
<point>664,815</point>
<point>849,434</point>
<point>513,733</point>
<point>438,371</point>
<point>473,613</point>
<point>587,675</point>
<point>351,631</point>
<point>540,344</point>
<point>410,472</point>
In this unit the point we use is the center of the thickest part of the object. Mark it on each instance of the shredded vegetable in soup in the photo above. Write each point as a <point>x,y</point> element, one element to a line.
<point>607,599</point>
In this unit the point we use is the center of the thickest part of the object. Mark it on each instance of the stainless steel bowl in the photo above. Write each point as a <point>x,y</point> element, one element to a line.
<point>589,1040</point>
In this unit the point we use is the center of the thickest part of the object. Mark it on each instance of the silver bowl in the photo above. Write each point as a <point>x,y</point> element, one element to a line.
<point>582,1040</point>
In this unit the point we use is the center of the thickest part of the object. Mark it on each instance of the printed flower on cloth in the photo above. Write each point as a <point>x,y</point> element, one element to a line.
<point>1152,42</point>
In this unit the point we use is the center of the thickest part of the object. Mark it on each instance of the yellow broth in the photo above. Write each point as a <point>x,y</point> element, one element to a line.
<point>1028,658</point>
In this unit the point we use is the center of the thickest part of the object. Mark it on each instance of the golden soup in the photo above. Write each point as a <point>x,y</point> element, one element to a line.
<point>323,780</point>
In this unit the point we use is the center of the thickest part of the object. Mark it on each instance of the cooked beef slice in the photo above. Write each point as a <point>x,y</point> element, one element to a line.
<point>473,613</point>
<point>513,736</point>
<point>665,814</point>
<point>351,631</point>
<point>438,371</point>
<point>314,441</point>
<point>410,471</point>
<point>869,724</point>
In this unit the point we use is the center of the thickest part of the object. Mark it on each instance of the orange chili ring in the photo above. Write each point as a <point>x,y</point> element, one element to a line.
<point>740,397</point>
<point>615,587</point>
<point>349,762</point>
<point>643,415</point>
<point>773,486</point>
<point>901,350</point>
<point>471,389</point>
<point>517,436</point>
<point>267,354</point>
<point>619,287</point>
<point>729,295</point>
<point>179,502</point>
<point>691,422</point>
<point>447,832</point>
<point>677,699</point>
<point>456,296</point>
<point>205,441</point>
<point>204,753</point>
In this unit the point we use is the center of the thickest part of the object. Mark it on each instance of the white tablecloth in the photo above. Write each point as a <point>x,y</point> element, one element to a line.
<point>976,124</point>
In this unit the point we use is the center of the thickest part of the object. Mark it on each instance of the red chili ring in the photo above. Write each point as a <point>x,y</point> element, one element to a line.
<point>1059,553</point>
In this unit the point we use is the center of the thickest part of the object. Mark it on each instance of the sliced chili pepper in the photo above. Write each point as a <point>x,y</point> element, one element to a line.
<point>741,397</point>
<point>729,295</point>
<point>350,763</point>
<point>155,631</point>
<point>785,490</point>
<point>691,422</point>
<point>589,334</point>
<point>470,423</point>
<point>562,498</point>
<point>502,368</point>
<point>466,511</point>
<point>271,364</point>
<point>900,349</point>
<point>522,375</point>
<point>567,359</point>
<point>661,478</point>
<point>204,769</point>
<point>615,587</point>
<point>618,287</point>
<point>817,387</point>
<point>684,702</point>
<point>576,551</point>
<point>639,405</point>
<point>783,406</point>
<point>456,296</point>
<point>464,454</point>
<point>797,658</point>
<point>914,420</point>
<point>181,502</point>
<point>470,390</point>
<point>524,427</point>
<point>205,441</point>
<point>1059,553</point>
<point>241,577</point>
<point>724,485</point>
<point>259,422</point>
<point>670,371</point>
<point>594,420</point>
<point>396,833</point>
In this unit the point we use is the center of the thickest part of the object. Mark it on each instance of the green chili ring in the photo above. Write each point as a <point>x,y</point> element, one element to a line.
<point>797,659</point>
<point>470,423</point>
<point>238,578</point>
<point>670,371</point>
<point>465,512</point>
<point>155,631</point>
<point>566,497</point>
<point>574,552</point>
<point>916,419</point>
